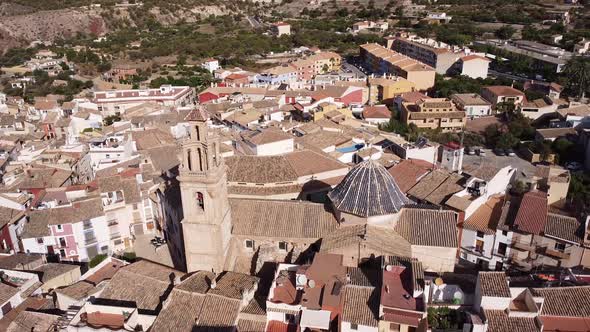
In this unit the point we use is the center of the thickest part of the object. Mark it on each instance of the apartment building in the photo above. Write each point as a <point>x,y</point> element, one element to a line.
<point>117,101</point>
<point>497,94</point>
<point>444,58</point>
<point>324,62</point>
<point>385,89</point>
<point>433,113</point>
<point>438,55</point>
<point>543,56</point>
<point>473,104</point>
<point>380,60</point>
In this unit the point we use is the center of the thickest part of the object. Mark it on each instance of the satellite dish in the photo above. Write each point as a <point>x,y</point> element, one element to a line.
<point>311,283</point>
<point>301,279</point>
<point>438,281</point>
<point>458,295</point>
<point>388,268</point>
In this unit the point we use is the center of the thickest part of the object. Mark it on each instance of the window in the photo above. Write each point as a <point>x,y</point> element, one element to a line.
<point>479,246</point>
<point>505,233</point>
<point>283,245</point>
<point>59,227</point>
<point>479,234</point>
<point>290,318</point>
<point>560,247</point>
<point>40,240</point>
<point>354,326</point>
<point>502,249</point>
<point>62,242</point>
<point>200,201</point>
<point>250,244</point>
<point>394,327</point>
<point>62,253</point>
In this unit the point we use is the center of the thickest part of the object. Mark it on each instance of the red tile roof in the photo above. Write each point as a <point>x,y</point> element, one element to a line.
<point>408,172</point>
<point>532,213</point>
<point>557,323</point>
<point>473,57</point>
<point>501,90</point>
<point>99,319</point>
<point>276,326</point>
<point>402,317</point>
<point>376,112</point>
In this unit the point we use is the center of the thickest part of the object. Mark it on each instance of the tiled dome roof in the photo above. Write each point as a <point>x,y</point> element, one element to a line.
<point>368,190</point>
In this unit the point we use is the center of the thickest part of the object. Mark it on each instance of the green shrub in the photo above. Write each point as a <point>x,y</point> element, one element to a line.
<point>97,260</point>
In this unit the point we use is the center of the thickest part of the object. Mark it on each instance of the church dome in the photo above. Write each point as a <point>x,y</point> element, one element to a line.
<point>368,190</point>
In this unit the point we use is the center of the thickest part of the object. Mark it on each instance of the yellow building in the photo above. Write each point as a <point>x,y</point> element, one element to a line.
<point>433,113</point>
<point>384,90</point>
<point>381,60</point>
<point>324,62</point>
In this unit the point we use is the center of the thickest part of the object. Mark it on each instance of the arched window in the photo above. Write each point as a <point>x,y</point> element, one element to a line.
<point>200,201</point>
<point>200,160</point>
<point>189,162</point>
<point>198,133</point>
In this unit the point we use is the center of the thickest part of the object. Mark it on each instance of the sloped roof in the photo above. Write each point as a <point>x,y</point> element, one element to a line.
<point>499,321</point>
<point>296,219</point>
<point>361,305</point>
<point>428,227</point>
<point>485,218</point>
<point>368,190</point>
<point>564,227</point>
<point>142,282</point>
<point>532,213</point>
<point>408,172</point>
<point>384,240</point>
<point>565,301</point>
<point>494,284</point>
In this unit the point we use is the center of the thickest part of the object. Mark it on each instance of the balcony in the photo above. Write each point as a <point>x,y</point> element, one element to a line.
<point>90,239</point>
<point>115,235</point>
<point>522,246</point>
<point>87,225</point>
<point>553,253</point>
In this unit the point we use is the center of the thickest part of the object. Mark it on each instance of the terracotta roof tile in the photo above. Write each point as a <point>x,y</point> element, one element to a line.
<point>494,284</point>
<point>532,213</point>
<point>499,321</point>
<point>361,305</point>
<point>564,227</point>
<point>565,301</point>
<point>408,172</point>
<point>297,219</point>
<point>485,218</point>
<point>427,227</point>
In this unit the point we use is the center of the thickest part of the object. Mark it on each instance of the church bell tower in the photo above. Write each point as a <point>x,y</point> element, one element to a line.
<point>207,220</point>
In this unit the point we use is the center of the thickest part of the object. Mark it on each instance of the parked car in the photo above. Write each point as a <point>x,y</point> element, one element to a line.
<point>499,152</point>
<point>481,152</point>
<point>470,151</point>
<point>510,152</point>
<point>573,166</point>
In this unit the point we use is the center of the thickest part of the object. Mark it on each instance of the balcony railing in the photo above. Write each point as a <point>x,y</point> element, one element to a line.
<point>115,235</point>
<point>522,246</point>
<point>90,239</point>
<point>553,253</point>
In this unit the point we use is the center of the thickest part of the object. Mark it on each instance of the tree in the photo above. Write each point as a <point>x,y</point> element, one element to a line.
<point>506,141</point>
<point>505,32</point>
<point>577,72</point>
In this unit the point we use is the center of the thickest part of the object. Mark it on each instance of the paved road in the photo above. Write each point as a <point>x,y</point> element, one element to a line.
<point>508,76</point>
<point>253,22</point>
<point>525,169</point>
<point>350,67</point>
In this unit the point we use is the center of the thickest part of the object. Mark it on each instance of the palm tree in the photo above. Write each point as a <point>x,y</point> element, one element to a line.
<point>577,71</point>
